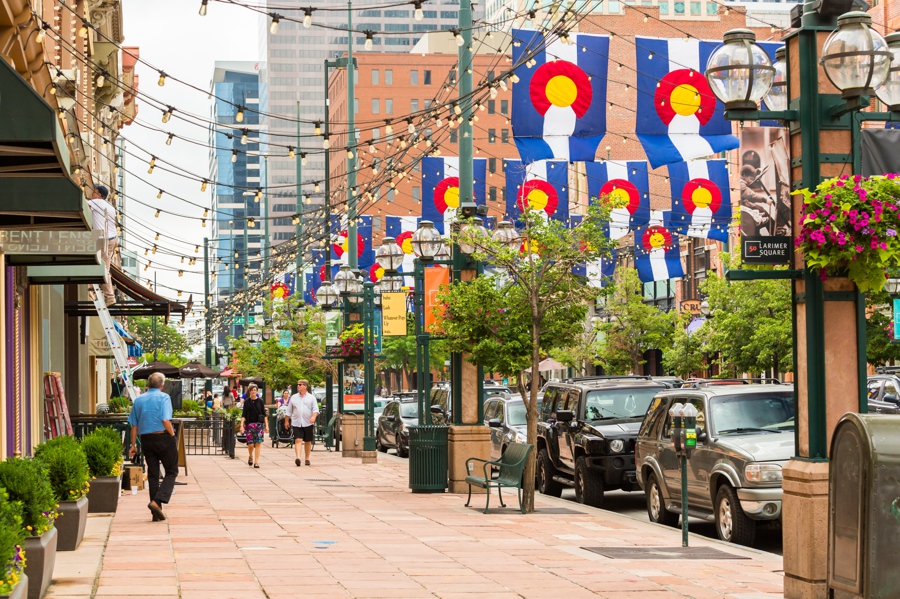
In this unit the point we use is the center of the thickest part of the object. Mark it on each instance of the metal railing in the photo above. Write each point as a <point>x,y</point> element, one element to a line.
<point>208,437</point>
<point>82,425</point>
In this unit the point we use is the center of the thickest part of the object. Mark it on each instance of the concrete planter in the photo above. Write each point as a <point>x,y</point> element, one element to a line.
<point>70,523</point>
<point>40,557</point>
<point>104,494</point>
<point>20,591</point>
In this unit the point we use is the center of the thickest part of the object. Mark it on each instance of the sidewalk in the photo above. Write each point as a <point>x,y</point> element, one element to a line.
<point>341,529</point>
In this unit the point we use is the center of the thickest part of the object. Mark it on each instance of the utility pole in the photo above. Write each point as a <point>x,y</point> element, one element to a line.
<point>298,231</point>
<point>207,303</point>
<point>155,346</point>
<point>351,145</point>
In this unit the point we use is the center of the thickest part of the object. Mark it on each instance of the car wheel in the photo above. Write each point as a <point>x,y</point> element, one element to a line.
<point>588,484</point>
<point>402,451</point>
<point>543,475</point>
<point>732,524</point>
<point>656,504</point>
<point>379,445</point>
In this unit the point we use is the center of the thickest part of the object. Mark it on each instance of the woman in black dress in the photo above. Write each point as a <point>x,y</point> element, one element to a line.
<point>254,423</point>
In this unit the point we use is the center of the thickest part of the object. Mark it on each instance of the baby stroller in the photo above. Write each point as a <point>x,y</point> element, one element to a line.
<point>283,433</point>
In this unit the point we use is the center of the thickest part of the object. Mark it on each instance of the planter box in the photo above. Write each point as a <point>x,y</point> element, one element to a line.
<point>71,523</point>
<point>20,591</point>
<point>40,557</point>
<point>104,494</point>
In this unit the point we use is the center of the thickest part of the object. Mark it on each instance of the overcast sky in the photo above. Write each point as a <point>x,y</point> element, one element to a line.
<point>173,37</point>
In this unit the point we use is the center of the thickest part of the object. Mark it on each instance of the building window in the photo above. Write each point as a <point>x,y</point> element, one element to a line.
<point>492,165</point>
<point>454,136</point>
<point>390,194</point>
<point>504,107</point>
<point>388,77</point>
<point>355,105</point>
<point>663,8</point>
<point>492,106</point>
<point>679,8</point>
<point>504,136</point>
<point>695,8</point>
<point>414,77</point>
<point>426,77</point>
<point>416,193</point>
<point>388,106</point>
<point>375,134</point>
<point>414,105</point>
<point>375,76</point>
<point>492,136</point>
<point>376,106</point>
<point>613,6</point>
<point>712,8</point>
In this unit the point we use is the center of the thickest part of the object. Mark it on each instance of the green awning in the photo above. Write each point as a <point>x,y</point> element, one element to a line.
<point>37,191</point>
<point>58,275</point>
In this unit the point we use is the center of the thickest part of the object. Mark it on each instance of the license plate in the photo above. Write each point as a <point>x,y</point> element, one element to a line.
<point>631,476</point>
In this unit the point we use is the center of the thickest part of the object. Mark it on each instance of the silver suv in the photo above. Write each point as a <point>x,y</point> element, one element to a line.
<point>745,434</point>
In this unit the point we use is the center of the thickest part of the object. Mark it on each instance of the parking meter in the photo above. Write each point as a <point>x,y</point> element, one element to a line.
<point>675,431</point>
<point>689,423</point>
<point>684,440</point>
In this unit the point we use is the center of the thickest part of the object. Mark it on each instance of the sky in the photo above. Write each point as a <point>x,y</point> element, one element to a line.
<point>173,37</point>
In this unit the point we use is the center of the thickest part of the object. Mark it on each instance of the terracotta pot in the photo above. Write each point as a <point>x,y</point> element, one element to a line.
<point>20,591</point>
<point>104,494</point>
<point>40,557</point>
<point>71,523</point>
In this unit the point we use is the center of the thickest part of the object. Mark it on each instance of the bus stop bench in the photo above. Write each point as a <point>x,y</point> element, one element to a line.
<point>511,465</point>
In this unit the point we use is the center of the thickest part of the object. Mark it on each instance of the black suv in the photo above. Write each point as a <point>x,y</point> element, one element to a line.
<point>586,434</point>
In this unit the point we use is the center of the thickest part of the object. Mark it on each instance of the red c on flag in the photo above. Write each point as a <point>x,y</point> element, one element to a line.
<point>701,193</point>
<point>537,194</point>
<point>561,83</point>
<point>343,245</point>
<point>655,237</point>
<point>446,194</point>
<point>622,194</point>
<point>684,92</point>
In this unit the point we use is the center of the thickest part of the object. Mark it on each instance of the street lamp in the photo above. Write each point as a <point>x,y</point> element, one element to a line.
<point>704,308</point>
<point>253,335</point>
<point>426,241</point>
<point>327,295</point>
<point>739,72</point>
<point>344,280</point>
<point>507,234</point>
<point>389,256</point>
<point>354,288</point>
<point>472,233</point>
<point>856,58</point>
<point>268,333</point>
<point>777,98</point>
<point>889,92</point>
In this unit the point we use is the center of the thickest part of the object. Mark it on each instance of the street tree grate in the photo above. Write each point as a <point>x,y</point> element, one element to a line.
<point>659,553</point>
<point>541,511</point>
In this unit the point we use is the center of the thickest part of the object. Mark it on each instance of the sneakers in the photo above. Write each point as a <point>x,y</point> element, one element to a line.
<point>297,461</point>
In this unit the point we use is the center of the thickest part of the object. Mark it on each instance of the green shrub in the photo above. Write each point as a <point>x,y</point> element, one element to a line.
<point>103,449</point>
<point>120,405</point>
<point>67,467</point>
<point>190,405</point>
<point>12,539</point>
<point>26,482</point>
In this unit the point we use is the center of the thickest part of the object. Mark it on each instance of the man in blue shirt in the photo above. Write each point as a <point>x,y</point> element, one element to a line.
<point>151,418</point>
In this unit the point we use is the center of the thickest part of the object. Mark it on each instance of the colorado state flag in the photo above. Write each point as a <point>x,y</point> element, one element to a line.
<point>365,255</point>
<point>312,286</point>
<point>440,188</point>
<point>559,104</point>
<point>701,199</point>
<point>656,254</point>
<point>678,117</point>
<point>401,228</point>
<point>599,273</point>
<point>541,186</point>
<point>627,186</point>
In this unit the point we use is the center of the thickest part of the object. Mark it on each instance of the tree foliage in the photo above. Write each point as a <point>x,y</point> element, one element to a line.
<point>167,340</point>
<point>533,303</point>
<point>880,330</point>
<point>685,356</point>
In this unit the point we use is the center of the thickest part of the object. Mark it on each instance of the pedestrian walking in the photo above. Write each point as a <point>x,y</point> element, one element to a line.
<point>285,398</point>
<point>151,418</point>
<point>255,423</point>
<point>301,416</point>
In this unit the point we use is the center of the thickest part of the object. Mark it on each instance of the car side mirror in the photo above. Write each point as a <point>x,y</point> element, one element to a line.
<point>565,415</point>
<point>702,437</point>
<point>494,423</point>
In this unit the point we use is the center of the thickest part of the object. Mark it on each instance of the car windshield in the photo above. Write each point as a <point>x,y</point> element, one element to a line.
<point>618,403</point>
<point>752,413</point>
<point>516,411</point>
<point>409,410</point>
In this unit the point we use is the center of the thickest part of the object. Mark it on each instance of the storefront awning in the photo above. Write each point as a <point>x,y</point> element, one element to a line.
<point>142,302</point>
<point>38,192</point>
<point>69,274</point>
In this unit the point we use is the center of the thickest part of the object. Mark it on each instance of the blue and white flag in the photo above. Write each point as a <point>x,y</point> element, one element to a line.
<point>559,103</point>
<point>440,188</point>
<point>541,187</point>
<point>701,199</point>
<point>678,117</point>
<point>627,187</point>
<point>365,254</point>
<point>599,273</point>
<point>312,287</point>
<point>656,254</point>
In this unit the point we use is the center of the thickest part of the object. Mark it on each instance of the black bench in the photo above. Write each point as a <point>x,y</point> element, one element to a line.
<point>511,465</point>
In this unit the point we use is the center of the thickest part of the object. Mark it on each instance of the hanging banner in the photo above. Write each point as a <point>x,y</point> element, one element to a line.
<point>765,196</point>
<point>378,325</point>
<point>434,278</point>
<point>393,313</point>
<point>333,328</point>
<point>896,303</point>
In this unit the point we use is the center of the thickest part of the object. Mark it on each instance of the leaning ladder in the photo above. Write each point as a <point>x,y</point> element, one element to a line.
<point>115,341</point>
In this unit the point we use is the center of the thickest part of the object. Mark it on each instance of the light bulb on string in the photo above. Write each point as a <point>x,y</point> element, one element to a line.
<point>244,139</point>
<point>303,159</point>
<point>169,139</point>
<point>159,195</point>
<point>234,155</point>
<point>326,143</point>
<point>203,185</point>
<point>239,116</point>
<point>307,17</point>
<point>291,152</point>
<point>162,79</point>
<point>418,15</point>
<point>203,7</point>
<point>273,27</point>
<point>167,114</point>
<point>369,40</point>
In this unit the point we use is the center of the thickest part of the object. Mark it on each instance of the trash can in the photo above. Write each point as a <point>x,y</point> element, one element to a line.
<point>273,425</point>
<point>864,506</point>
<point>428,453</point>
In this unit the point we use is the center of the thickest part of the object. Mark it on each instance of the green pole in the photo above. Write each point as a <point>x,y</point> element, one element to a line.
<point>207,303</point>
<point>327,226</point>
<point>684,502</point>
<point>155,352</point>
<point>265,242</point>
<point>245,270</point>
<point>369,365</point>
<point>351,144</point>
<point>298,231</point>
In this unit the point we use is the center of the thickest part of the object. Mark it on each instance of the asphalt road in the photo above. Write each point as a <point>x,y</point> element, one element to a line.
<point>634,505</point>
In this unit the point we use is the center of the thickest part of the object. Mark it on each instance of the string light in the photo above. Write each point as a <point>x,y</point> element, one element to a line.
<point>156,215</point>
<point>369,42</point>
<point>318,128</point>
<point>167,114</point>
<point>418,15</point>
<point>203,185</point>
<point>159,195</point>
<point>239,117</point>
<point>169,139</point>
<point>307,17</point>
<point>203,4</point>
<point>234,154</point>
<point>273,28</point>
<point>162,79</point>
<point>291,152</point>
<point>303,158</point>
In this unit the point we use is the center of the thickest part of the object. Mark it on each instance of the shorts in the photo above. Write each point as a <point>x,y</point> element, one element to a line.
<point>304,433</point>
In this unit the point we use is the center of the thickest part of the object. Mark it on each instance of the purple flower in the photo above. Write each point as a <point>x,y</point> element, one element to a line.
<point>891,233</point>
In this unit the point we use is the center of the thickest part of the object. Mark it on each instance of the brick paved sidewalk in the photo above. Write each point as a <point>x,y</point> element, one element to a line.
<point>341,529</point>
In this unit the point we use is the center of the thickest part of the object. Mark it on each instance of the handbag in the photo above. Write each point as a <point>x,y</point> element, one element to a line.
<point>262,413</point>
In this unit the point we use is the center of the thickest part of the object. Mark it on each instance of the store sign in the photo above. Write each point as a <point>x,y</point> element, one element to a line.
<point>766,250</point>
<point>354,400</point>
<point>393,311</point>
<point>51,243</point>
<point>896,303</point>
<point>691,306</point>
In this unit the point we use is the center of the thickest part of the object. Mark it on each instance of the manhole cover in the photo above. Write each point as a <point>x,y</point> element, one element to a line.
<point>663,553</point>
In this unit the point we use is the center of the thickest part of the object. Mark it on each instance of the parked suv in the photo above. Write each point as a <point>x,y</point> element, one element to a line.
<point>586,434</point>
<point>883,390</point>
<point>745,434</point>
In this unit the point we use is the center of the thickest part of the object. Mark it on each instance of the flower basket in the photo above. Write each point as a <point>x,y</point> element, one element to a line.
<point>849,227</point>
<point>351,347</point>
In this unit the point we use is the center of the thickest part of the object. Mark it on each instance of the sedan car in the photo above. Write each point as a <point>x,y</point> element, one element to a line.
<point>392,431</point>
<point>505,415</point>
<point>883,391</point>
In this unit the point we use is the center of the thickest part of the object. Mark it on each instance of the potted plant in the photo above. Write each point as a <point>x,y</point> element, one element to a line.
<point>27,483</point>
<point>119,405</point>
<point>849,227</point>
<point>351,346</point>
<point>14,582</point>
<point>67,468</point>
<point>103,449</point>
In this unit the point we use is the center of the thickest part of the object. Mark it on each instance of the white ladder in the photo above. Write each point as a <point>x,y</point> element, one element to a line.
<point>115,341</point>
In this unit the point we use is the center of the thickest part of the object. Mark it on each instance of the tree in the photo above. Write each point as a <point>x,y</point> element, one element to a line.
<point>684,357</point>
<point>881,347</point>
<point>750,323</point>
<point>534,303</point>
<point>166,341</point>
<point>632,327</point>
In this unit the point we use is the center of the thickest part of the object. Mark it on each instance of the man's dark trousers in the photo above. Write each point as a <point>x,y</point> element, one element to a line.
<point>160,447</point>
